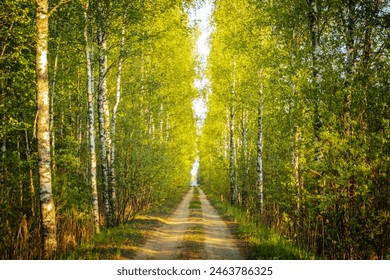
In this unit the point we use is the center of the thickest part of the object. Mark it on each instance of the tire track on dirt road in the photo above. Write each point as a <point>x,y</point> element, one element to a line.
<point>166,242</point>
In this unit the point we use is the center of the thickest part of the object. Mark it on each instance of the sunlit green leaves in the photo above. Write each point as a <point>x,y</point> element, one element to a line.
<point>267,46</point>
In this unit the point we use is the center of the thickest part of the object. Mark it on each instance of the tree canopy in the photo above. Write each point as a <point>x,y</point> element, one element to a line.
<point>97,121</point>
<point>307,80</point>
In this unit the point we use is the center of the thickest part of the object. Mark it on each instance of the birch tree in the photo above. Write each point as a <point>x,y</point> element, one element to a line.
<point>259,162</point>
<point>232,148</point>
<point>48,214</point>
<point>115,111</point>
<point>104,113</point>
<point>89,54</point>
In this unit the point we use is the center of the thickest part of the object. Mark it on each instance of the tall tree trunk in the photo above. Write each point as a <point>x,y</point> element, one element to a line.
<point>232,150</point>
<point>316,73</point>
<point>161,122</point>
<point>104,113</point>
<point>351,17</point>
<point>232,171</point>
<point>3,169</point>
<point>52,94</point>
<point>167,128</point>
<point>48,214</point>
<point>259,145</point>
<point>3,176</point>
<point>295,162</point>
<point>32,188</point>
<point>18,164</point>
<point>89,52</point>
<point>79,123</point>
<point>371,16</point>
<point>244,162</point>
<point>348,204</point>
<point>113,123</point>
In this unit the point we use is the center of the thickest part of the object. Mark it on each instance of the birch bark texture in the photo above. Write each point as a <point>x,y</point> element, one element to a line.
<point>103,112</point>
<point>89,52</point>
<point>232,158</point>
<point>114,114</point>
<point>232,172</point>
<point>259,166</point>
<point>48,214</point>
<point>244,156</point>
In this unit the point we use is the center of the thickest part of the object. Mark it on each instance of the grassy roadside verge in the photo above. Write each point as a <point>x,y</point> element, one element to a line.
<point>261,243</point>
<point>121,242</point>
<point>192,247</point>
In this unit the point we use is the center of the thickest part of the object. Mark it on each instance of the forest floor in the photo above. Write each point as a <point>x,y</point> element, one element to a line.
<point>194,231</point>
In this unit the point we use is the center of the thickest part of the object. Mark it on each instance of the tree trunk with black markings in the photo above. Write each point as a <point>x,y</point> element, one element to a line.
<point>48,213</point>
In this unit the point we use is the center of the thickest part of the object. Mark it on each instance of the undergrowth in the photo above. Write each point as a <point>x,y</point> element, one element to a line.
<point>120,242</point>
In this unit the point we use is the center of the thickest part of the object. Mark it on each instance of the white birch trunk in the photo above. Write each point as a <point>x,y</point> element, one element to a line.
<point>52,94</point>
<point>113,123</point>
<point>161,122</point>
<point>48,214</point>
<point>232,151</point>
<point>259,167</point>
<point>89,52</point>
<point>103,113</point>
<point>244,133</point>
<point>232,172</point>
<point>167,128</point>
<point>295,162</point>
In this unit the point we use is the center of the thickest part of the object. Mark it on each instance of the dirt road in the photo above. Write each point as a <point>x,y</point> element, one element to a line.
<point>166,242</point>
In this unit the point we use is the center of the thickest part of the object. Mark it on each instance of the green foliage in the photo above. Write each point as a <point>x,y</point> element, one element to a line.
<point>324,185</point>
<point>17,93</point>
<point>155,143</point>
<point>156,125</point>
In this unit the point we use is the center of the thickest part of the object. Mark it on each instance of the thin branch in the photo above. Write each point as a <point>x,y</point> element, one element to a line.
<point>35,125</point>
<point>62,2</point>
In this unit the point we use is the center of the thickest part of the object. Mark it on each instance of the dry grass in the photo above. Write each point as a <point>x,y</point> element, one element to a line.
<point>124,241</point>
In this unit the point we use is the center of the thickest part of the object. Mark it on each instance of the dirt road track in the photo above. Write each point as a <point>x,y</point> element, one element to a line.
<point>166,242</point>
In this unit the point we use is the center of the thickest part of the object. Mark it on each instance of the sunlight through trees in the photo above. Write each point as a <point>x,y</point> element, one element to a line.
<point>100,118</point>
